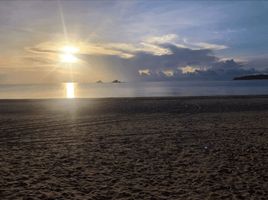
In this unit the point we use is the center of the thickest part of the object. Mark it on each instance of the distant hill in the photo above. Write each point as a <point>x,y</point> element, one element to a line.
<point>252,77</point>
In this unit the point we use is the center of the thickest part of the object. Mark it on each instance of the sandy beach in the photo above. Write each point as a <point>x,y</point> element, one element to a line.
<point>134,148</point>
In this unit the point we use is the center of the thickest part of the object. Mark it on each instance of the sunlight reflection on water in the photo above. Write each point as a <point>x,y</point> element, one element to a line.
<point>143,89</point>
<point>70,90</point>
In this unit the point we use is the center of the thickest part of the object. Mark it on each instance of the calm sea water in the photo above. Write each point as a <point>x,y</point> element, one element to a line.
<point>142,89</point>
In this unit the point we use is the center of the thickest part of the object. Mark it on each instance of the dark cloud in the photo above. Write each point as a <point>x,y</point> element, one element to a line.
<point>205,64</point>
<point>225,70</point>
<point>259,63</point>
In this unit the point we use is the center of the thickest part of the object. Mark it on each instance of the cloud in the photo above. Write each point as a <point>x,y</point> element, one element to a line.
<point>168,72</point>
<point>183,42</point>
<point>180,64</point>
<point>189,69</point>
<point>156,45</point>
<point>169,38</point>
<point>205,45</point>
<point>200,45</point>
<point>224,70</point>
<point>84,48</point>
<point>153,59</point>
<point>259,63</point>
<point>144,72</point>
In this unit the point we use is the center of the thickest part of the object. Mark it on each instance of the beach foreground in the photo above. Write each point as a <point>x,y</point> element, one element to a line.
<point>143,148</point>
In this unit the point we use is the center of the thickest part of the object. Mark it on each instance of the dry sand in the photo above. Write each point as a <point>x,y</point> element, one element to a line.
<point>145,148</point>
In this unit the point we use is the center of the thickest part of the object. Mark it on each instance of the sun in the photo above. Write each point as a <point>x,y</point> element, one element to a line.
<point>68,54</point>
<point>68,58</point>
<point>70,49</point>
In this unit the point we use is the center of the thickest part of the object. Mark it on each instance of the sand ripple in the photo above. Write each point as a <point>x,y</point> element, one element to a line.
<point>187,148</point>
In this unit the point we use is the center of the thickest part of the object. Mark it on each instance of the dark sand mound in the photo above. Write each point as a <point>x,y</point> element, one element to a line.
<point>145,148</point>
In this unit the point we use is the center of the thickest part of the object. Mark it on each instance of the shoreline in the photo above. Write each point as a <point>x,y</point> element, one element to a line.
<point>151,97</point>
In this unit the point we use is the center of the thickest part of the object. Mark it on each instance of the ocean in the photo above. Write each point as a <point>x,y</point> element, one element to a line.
<point>130,89</point>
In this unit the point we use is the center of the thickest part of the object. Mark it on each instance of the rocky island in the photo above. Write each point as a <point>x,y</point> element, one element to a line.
<point>252,77</point>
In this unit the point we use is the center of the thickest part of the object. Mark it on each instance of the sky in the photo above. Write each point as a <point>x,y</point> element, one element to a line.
<point>130,40</point>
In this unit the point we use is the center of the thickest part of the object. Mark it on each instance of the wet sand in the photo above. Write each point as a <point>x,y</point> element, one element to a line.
<point>143,148</point>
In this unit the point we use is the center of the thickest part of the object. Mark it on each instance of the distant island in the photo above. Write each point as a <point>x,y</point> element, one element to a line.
<point>116,81</point>
<point>252,77</point>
